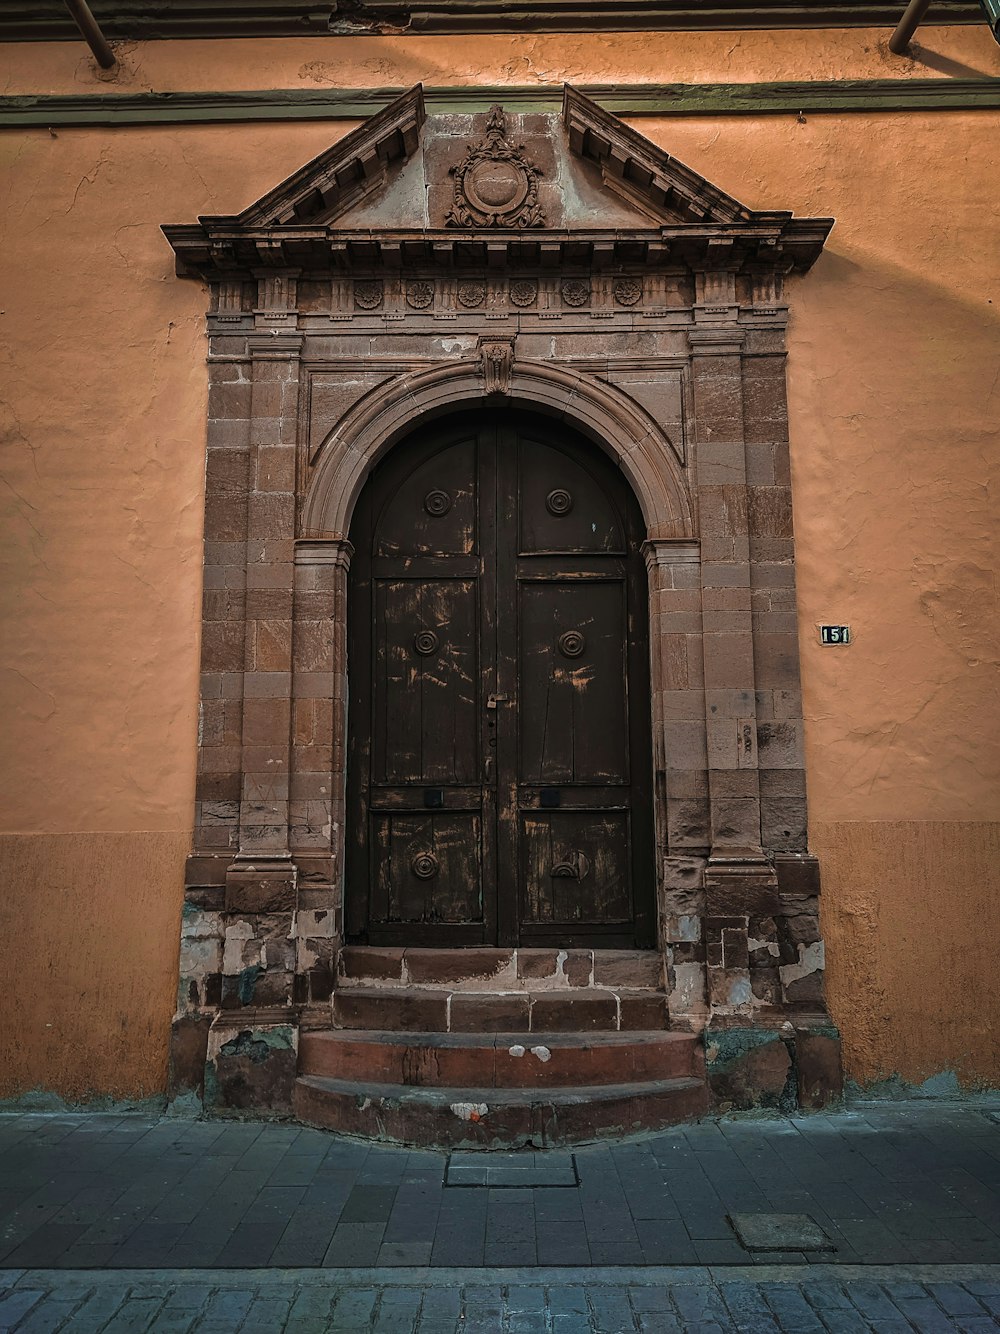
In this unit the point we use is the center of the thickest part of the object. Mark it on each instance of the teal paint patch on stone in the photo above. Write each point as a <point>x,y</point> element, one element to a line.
<point>43,1100</point>
<point>247,983</point>
<point>945,1085</point>
<point>258,1045</point>
<point>750,1067</point>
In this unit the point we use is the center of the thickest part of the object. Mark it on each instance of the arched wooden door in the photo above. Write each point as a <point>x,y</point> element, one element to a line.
<point>499,766</point>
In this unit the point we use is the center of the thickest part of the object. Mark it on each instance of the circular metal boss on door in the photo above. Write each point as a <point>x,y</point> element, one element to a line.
<point>559,502</point>
<point>425,642</point>
<point>572,643</point>
<point>425,866</point>
<point>437,503</point>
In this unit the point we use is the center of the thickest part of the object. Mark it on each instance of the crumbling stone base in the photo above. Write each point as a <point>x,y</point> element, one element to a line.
<point>788,1068</point>
<point>251,1064</point>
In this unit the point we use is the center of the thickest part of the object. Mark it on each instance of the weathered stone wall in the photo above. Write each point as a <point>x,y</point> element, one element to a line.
<point>892,357</point>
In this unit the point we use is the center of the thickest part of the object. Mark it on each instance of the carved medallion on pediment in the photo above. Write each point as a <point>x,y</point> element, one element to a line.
<point>496,185</point>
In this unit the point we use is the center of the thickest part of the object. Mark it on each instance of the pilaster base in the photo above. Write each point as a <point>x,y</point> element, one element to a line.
<point>787,1068</point>
<point>251,1063</point>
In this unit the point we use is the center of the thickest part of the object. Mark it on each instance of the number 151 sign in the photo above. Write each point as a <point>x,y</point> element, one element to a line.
<point>834,634</point>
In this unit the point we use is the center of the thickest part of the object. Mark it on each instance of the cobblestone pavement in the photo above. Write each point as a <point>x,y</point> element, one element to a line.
<point>592,1301</point>
<point>887,1183</point>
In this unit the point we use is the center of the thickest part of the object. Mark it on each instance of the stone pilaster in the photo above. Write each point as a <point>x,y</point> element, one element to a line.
<point>319,758</point>
<point>680,766</point>
<point>261,882</point>
<point>740,883</point>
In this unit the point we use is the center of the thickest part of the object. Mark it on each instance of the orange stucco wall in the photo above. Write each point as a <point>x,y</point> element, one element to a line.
<point>893,399</point>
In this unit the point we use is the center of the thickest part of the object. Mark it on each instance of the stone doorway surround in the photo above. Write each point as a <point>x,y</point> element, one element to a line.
<point>584,274</point>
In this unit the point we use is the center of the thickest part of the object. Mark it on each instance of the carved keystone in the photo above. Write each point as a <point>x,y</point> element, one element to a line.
<point>496,363</point>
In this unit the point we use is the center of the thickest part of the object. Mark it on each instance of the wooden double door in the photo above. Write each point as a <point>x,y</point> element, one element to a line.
<point>499,766</point>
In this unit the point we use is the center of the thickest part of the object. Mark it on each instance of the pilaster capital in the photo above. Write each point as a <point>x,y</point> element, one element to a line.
<point>324,551</point>
<point>274,345</point>
<point>669,551</point>
<point>724,341</point>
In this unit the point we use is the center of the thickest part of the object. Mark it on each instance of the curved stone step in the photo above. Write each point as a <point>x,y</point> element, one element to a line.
<point>503,1060</point>
<point>494,1118</point>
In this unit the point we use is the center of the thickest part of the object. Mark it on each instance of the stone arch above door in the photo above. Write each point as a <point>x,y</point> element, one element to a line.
<point>616,290</point>
<point>618,424</point>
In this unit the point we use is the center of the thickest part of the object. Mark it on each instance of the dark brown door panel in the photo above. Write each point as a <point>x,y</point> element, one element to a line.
<point>499,768</point>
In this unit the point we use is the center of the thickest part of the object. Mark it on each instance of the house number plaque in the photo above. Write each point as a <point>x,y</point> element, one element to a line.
<point>834,634</point>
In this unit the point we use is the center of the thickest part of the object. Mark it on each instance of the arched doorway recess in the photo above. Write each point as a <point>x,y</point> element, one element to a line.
<point>499,758</point>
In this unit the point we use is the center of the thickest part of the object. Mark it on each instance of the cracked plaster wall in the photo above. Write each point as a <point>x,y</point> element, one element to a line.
<point>893,402</point>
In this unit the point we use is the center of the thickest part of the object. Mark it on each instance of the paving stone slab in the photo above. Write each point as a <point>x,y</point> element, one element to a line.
<point>505,1170</point>
<point>780,1232</point>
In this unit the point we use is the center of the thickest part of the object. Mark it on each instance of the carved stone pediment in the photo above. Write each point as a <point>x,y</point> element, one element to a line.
<point>582,194</point>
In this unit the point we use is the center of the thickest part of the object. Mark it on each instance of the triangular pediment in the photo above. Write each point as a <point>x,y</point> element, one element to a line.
<point>408,187</point>
<point>660,186</point>
<point>353,169</point>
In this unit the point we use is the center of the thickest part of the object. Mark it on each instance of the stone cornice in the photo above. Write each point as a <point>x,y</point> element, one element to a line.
<point>219,253</point>
<point>662,99</point>
<point>47,20</point>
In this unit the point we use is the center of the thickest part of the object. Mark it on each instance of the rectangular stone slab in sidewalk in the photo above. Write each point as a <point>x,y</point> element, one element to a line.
<point>780,1232</point>
<point>511,1169</point>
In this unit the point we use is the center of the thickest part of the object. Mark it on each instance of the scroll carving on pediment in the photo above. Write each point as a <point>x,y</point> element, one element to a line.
<point>496,363</point>
<point>496,184</point>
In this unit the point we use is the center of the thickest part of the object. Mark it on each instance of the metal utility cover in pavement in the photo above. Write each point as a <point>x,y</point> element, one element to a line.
<point>780,1232</point>
<point>511,1169</point>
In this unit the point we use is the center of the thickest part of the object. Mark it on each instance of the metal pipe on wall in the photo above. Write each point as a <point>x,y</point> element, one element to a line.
<point>90,29</point>
<point>907,26</point>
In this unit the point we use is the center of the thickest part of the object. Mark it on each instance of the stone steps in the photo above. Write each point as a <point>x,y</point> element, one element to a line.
<point>497,1048</point>
<point>507,970</point>
<point>409,1010</point>
<point>506,1061</point>
<point>492,1117</point>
